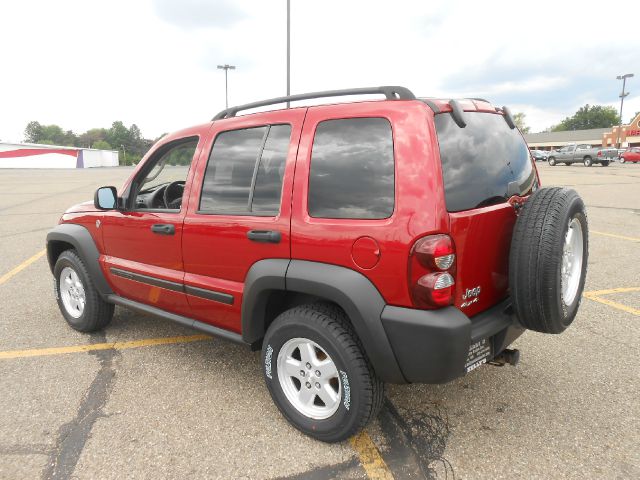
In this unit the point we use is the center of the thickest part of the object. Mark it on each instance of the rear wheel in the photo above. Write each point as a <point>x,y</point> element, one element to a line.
<point>552,161</point>
<point>317,373</point>
<point>548,259</point>
<point>605,163</point>
<point>79,301</point>
<point>587,161</point>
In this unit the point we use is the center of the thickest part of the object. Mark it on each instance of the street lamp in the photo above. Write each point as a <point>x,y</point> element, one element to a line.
<point>288,50</point>
<point>622,95</point>
<point>226,67</point>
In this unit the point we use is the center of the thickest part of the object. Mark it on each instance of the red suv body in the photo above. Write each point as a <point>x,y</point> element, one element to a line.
<point>400,213</point>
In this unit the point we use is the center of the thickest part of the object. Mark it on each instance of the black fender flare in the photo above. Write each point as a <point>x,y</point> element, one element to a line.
<point>82,241</point>
<point>349,289</point>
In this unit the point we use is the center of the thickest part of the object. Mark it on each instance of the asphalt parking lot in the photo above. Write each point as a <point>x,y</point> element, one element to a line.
<point>150,399</point>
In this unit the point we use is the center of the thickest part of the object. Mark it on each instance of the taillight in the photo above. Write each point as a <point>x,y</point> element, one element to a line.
<point>431,272</point>
<point>599,153</point>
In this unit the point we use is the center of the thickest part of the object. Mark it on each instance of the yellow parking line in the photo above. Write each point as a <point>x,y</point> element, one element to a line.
<point>613,235</point>
<point>41,352</point>
<point>21,267</point>
<point>370,457</point>
<point>611,303</point>
<point>596,296</point>
<point>612,290</point>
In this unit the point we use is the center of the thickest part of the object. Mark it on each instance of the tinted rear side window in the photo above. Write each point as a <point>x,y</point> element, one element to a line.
<point>352,169</point>
<point>480,161</point>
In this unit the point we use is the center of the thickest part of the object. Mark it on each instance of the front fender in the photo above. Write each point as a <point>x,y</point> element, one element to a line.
<point>81,240</point>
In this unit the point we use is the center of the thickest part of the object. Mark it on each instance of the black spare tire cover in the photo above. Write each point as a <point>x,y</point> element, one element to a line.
<point>548,259</point>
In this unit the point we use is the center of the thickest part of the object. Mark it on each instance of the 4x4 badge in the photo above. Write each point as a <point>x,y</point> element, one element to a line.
<point>470,296</point>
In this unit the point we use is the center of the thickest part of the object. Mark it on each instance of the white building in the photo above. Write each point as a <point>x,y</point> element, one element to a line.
<point>31,155</point>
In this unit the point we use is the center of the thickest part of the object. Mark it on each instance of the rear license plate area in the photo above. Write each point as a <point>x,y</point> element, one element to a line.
<point>479,354</point>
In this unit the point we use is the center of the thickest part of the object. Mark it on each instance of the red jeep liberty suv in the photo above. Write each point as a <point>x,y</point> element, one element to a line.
<point>396,240</point>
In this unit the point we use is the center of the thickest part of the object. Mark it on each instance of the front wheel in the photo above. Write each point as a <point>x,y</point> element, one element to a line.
<point>317,373</point>
<point>605,163</point>
<point>622,160</point>
<point>552,161</point>
<point>77,297</point>
<point>587,161</point>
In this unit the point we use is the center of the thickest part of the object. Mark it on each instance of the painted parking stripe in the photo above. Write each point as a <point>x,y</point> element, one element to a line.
<point>148,342</point>
<point>22,266</point>
<point>596,296</point>
<point>613,235</point>
<point>612,290</point>
<point>370,457</point>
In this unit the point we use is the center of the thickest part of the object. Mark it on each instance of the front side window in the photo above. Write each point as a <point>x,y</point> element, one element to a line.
<point>245,171</point>
<point>161,185</point>
<point>352,169</point>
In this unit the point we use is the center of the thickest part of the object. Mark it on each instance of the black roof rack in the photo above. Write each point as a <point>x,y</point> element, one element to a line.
<point>391,92</point>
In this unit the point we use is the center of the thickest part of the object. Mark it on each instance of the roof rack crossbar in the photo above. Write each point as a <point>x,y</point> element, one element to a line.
<point>390,92</point>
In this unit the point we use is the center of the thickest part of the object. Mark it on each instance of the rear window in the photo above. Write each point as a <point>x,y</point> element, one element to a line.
<point>482,160</point>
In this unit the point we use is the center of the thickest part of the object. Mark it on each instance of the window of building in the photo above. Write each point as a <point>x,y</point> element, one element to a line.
<point>245,171</point>
<point>352,169</point>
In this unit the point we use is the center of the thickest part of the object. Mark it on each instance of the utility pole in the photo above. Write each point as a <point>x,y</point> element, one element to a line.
<point>288,50</point>
<point>226,67</point>
<point>622,95</point>
<point>124,152</point>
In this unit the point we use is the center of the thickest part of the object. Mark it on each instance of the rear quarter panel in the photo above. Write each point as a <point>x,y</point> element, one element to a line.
<point>419,198</point>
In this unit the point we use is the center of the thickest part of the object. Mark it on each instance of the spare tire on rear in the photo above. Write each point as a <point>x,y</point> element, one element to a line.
<point>548,259</point>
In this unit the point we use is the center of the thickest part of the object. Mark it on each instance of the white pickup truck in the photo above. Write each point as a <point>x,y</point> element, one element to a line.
<point>584,153</point>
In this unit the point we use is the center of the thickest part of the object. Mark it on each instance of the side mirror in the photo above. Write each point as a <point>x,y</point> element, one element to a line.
<point>106,198</point>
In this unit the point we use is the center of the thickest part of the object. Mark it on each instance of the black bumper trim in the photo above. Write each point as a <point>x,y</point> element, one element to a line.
<point>431,346</point>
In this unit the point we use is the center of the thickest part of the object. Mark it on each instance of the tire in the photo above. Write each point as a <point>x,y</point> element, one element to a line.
<point>605,163</point>
<point>544,299</point>
<point>94,314</point>
<point>587,161</point>
<point>357,391</point>
<point>568,164</point>
<point>551,161</point>
<point>622,160</point>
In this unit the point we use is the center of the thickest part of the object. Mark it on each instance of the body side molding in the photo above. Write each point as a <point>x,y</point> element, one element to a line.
<point>187,322</point>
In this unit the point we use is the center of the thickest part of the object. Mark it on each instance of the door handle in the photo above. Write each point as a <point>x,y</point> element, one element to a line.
<point>163,228</point>
<point>264,236</point>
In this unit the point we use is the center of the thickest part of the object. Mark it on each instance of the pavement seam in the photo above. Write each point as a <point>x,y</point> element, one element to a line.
<point>72,436</point>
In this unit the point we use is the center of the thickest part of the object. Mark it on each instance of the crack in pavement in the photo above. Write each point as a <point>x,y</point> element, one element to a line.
<point>73,435</point>
<point>416,438</point>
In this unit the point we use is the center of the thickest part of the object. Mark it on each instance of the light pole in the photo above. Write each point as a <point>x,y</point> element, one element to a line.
<point>622,95</point>
<point>288,50</point>
<point>226,67</point>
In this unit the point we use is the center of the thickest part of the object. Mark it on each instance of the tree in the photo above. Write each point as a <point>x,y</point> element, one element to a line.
<point>589,116</point>
<point>519,119</point>
<point>101,145</point>
<point>33,132</point>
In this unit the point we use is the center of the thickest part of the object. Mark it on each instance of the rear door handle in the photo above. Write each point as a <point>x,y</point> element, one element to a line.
<point>264,236</point>
<point>163,228</point>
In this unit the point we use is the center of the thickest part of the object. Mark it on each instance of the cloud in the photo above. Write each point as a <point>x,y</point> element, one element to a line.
<point>187,14</point>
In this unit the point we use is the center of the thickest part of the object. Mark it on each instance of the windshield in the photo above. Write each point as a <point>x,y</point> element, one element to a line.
<point>484,163</point>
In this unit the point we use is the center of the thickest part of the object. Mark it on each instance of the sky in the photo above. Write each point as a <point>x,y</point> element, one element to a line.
<point>84,64</point>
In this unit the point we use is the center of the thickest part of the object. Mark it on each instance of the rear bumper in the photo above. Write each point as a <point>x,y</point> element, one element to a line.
<point>432,346</point>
